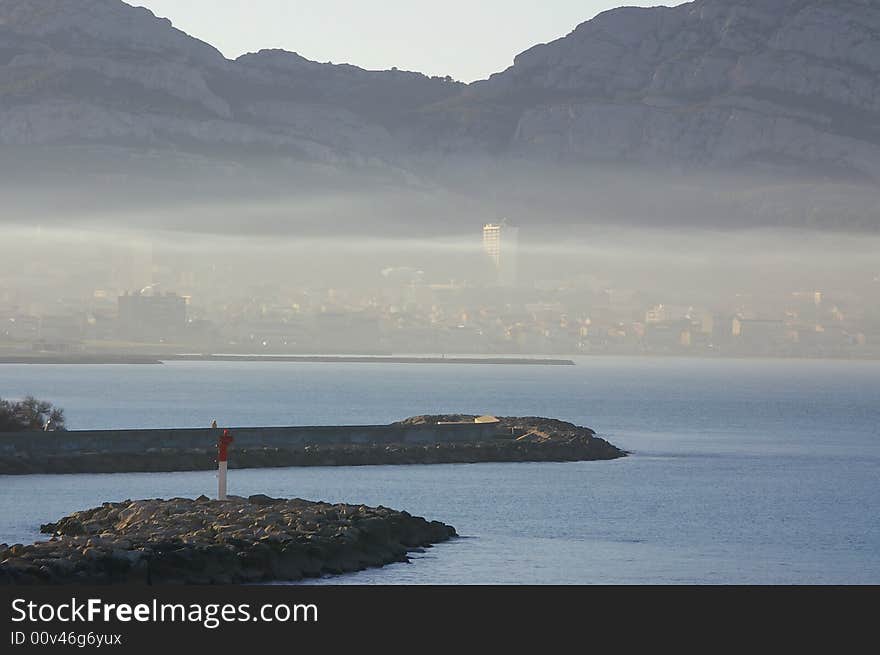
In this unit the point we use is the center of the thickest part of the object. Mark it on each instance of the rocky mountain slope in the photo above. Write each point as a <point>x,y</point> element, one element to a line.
<point>789,83</point>
<point>100,71</point>
<point>787,88</point>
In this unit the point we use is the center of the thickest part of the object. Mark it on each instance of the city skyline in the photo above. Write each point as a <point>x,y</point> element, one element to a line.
<point>139,296</point>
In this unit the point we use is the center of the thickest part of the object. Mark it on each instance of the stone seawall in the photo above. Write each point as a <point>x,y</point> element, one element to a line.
<point>419,440</point>
<point>73,442</point>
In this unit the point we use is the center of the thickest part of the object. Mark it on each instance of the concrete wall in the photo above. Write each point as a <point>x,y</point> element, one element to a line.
<point>134,441</point>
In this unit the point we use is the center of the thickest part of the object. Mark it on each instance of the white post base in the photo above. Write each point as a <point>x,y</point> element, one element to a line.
<point>221,480</point>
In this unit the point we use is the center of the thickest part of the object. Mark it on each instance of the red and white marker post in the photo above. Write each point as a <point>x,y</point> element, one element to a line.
<point>222,455</point>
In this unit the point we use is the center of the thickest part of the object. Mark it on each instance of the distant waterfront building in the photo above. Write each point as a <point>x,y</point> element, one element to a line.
<point>151,317</point>
<point>664,313</point>
<point>500,243</point>
<point>760,336</point>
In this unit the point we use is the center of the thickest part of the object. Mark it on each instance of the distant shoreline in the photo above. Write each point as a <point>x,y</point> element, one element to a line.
<point>416,359</point>
<point>346,359</point>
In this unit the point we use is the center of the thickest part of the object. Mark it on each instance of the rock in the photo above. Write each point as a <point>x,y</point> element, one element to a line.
<point>92,553</point>
<point>262,499</point>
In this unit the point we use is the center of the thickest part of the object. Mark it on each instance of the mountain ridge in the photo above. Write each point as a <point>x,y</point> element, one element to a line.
<point>781,89</point>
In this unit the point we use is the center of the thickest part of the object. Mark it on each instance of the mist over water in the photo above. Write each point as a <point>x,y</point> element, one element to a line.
<point>42,266</point>
<point>214,226</point>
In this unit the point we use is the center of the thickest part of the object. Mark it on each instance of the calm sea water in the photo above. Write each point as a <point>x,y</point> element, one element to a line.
<point>743,471</point>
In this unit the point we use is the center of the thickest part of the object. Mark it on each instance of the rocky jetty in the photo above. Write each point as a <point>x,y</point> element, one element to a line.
<point>204,541</point>
<point>512,439</point>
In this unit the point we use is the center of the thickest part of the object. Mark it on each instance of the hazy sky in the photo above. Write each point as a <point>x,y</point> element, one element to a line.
<point>467,39</point>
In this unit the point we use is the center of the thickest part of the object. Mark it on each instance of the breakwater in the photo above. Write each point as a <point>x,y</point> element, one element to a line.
<point>110,358</point>
<point>419,440</point>
<point>205,541</point>
<point>75,442</point>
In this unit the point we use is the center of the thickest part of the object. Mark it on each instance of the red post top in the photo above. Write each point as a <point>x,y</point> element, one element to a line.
<point>223,445</point>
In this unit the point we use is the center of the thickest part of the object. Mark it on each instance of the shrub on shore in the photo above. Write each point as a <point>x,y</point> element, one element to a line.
<point>29,414</point>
